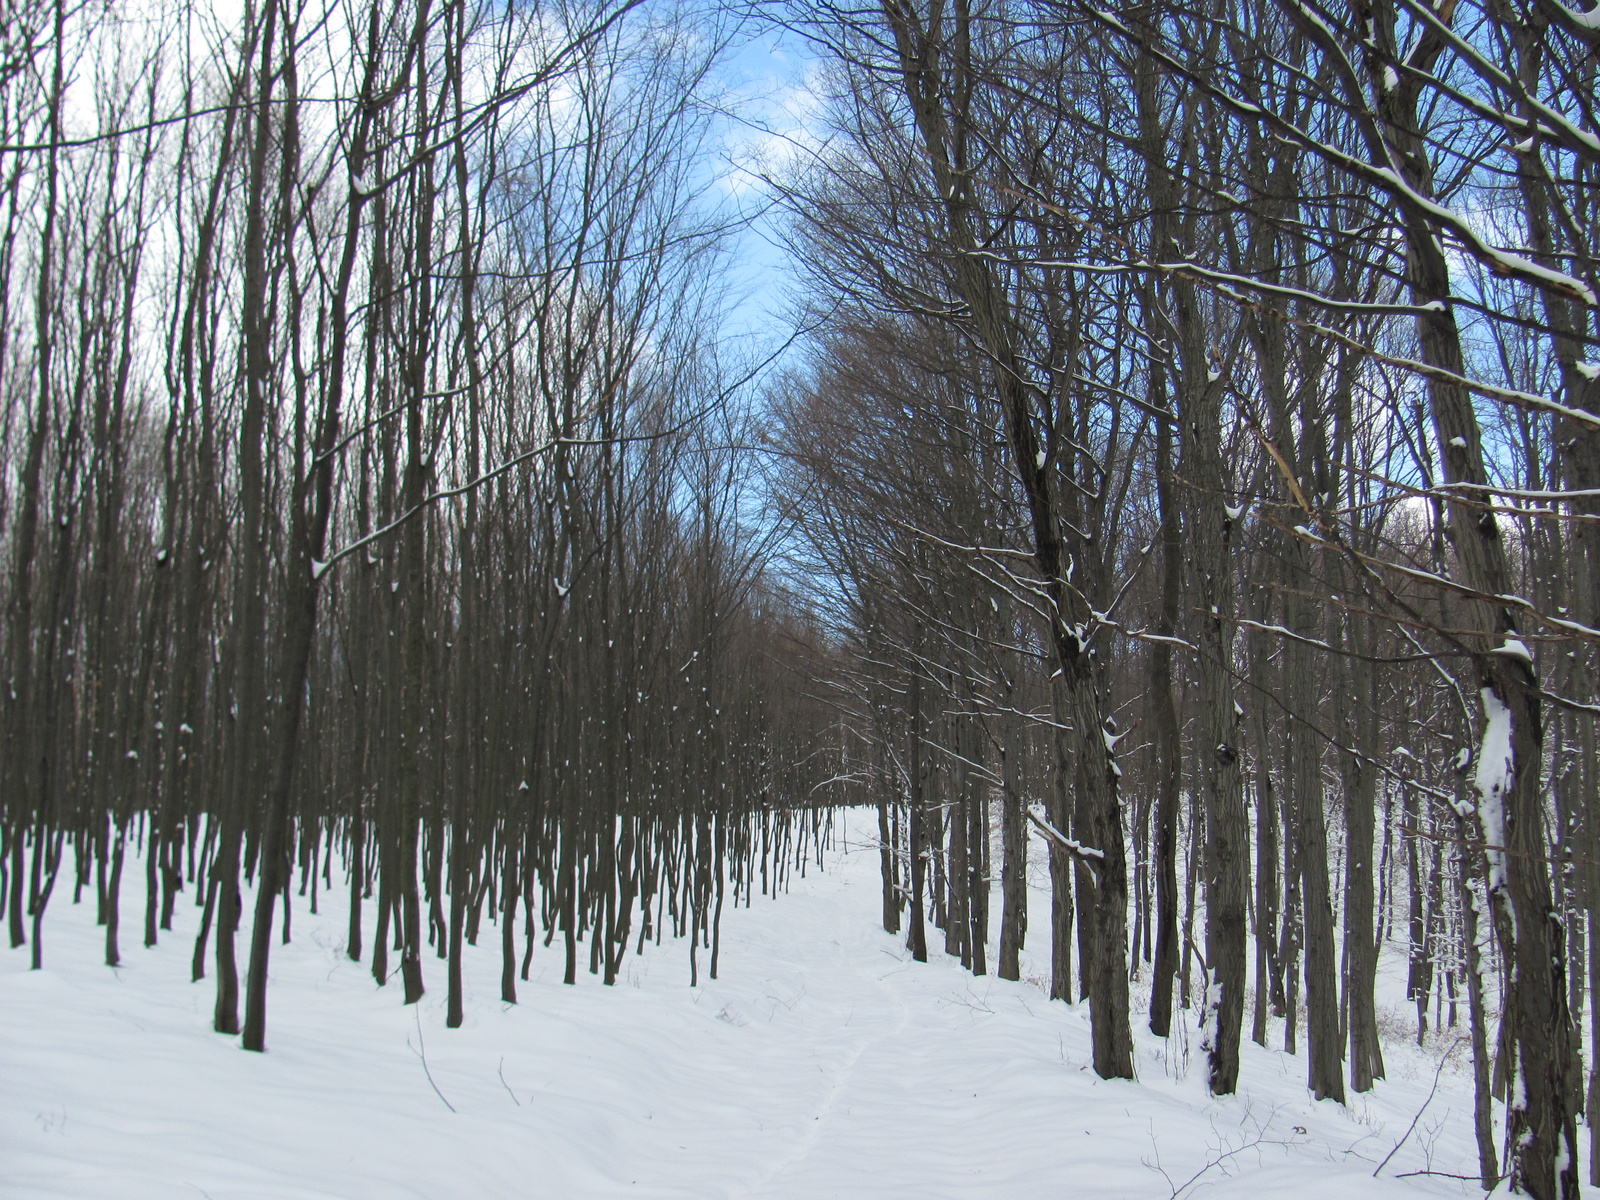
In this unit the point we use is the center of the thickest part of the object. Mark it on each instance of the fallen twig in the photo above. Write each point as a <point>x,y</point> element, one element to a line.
<point>1261,1139</point>
<point>501,1071</point>
<point>1439,1070</point>
<point>422,1053</point>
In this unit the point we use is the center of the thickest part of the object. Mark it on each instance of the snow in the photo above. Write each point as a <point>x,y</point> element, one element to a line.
<point>1514,648</point>
<point>1041,822</point>
<point>1500,261</point>
<point>1588,20</point>
<point>823,1063</point>
<point>1494,779</point>
<point>1587,369</point>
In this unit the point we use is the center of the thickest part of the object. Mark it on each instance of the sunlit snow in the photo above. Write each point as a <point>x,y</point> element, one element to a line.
<point>823,1063</point>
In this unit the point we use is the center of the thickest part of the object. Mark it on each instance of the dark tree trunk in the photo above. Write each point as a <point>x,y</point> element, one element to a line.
<point>1013,849</point>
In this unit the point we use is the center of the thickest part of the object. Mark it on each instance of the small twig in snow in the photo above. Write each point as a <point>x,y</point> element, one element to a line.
<point>973,1002</point>
<point>1439,1070</point>
<point>423,1055</point>
<point>501,1071</point>
<point>1223,1155</point>
<point>1155,1147</point>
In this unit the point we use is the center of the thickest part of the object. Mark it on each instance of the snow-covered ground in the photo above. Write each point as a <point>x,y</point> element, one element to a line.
<point>824,1063</point>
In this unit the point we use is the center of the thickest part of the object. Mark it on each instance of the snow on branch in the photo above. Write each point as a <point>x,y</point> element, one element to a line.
<point>1087,855</point>
<point>1499,260</point>
<point>1234,294</point>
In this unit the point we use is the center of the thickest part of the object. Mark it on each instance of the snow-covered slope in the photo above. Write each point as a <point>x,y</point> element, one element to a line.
<point>822,1064</point>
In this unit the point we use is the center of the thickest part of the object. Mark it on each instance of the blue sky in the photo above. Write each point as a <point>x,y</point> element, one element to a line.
<point>768,106</point>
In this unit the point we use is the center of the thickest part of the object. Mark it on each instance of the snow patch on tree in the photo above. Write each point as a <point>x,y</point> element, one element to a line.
<point>1495,775</point>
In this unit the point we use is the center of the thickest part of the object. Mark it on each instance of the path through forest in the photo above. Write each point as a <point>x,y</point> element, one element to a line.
<point>822,1064</point>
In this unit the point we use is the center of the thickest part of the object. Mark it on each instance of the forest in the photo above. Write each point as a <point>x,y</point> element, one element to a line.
<point>1169,461</point>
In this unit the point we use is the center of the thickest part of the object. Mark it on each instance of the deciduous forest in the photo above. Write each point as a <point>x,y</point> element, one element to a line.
<point>1169,464</point>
